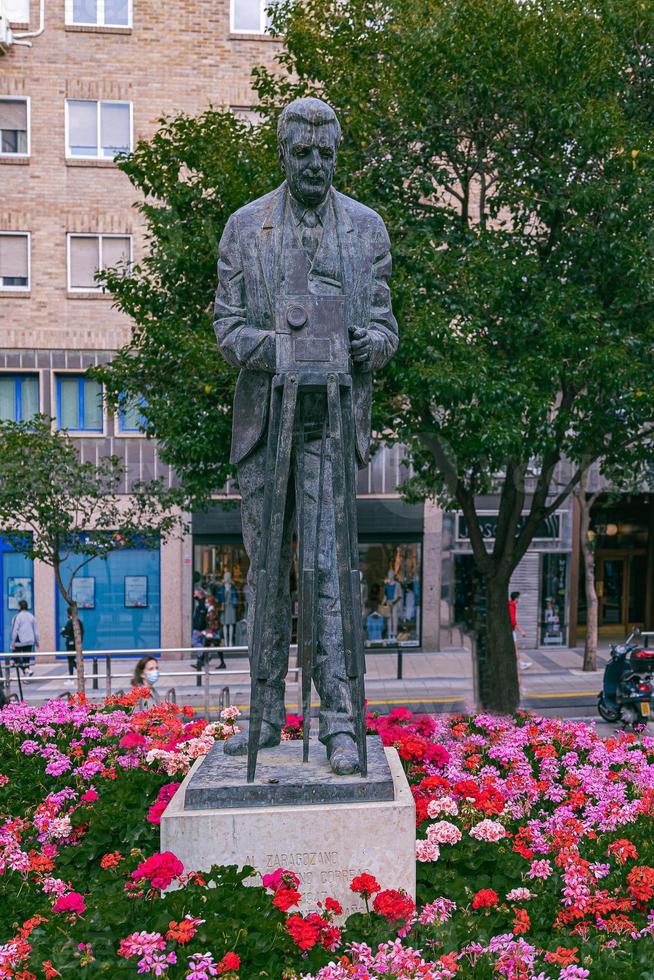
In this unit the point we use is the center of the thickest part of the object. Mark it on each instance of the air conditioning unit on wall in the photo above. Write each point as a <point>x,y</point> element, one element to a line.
<point>6,38</point>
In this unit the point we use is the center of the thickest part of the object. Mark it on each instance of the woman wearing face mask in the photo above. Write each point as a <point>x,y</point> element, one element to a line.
<point>146,674</point>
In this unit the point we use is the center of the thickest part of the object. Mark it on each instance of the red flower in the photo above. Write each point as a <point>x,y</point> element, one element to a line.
<point>90,796</point>
<point>490,801</point>
<point>365,885</point>
<point>640,883</point>
<point>230,961</point>
<point>304,934</point>
<point>285,897</point>
<point>485,898</point>
<point>623,849</point>
<point>563,956</point>
<point>521,922</point>
<point>111,860</point>
<point>331,905</point>
<point>72,902</point>
<point>182,932</point>
<point>400,714</point>
<point>49,970</point>
<point>394,905</point>
<point>160,869</point>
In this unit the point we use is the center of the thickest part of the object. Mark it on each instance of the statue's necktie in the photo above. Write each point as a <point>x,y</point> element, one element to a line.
<point>311,233</point>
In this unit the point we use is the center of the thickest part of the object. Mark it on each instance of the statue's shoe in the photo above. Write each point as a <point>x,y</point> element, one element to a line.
<point>342,754</point>
<point>238,744</point>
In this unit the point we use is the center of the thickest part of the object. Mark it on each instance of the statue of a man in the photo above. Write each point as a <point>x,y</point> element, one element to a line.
<point>347,248</point>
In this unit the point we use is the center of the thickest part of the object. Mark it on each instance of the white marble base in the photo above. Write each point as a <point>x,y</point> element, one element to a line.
<point>325,844</point>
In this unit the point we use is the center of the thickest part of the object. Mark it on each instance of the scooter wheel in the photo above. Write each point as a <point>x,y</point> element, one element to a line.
<point>608,714</point>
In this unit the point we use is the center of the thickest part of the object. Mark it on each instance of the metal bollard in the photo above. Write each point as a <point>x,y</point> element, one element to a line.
<point>399,663</point>
<point>95,674</point>
<point>108,677</point>
<point>224,698</point>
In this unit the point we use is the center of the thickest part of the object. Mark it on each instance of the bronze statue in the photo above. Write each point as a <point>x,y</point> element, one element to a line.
<point>303,310</point>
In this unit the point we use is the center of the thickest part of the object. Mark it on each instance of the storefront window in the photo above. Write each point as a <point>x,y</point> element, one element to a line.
<point>390,606</point>
<point>118,599</point>
<point>211,561</point>
<point>391,588</point>
<point>17,578</point>
<point>553,599</point>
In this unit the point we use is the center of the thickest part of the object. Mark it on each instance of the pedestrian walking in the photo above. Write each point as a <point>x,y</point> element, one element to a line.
<point>199,622</point>
<point>68,633</point>
<point>211,635</point>
<point>513,613</point>
<point>146,674</point>
<point>24,637</point>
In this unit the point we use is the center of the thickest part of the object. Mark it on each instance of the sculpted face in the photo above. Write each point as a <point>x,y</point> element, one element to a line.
<point>308,158</point>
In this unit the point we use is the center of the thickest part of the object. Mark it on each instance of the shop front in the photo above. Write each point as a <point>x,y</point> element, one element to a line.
<point>17,578</point>
<point>542,577</point>
<point>390,564</point>
<point>118,599</point>
<point>623,541</point>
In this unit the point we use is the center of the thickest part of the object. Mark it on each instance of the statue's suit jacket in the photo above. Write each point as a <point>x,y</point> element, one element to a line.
<point>250,277</point>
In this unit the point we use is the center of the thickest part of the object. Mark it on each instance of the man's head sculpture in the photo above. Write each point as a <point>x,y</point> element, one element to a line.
<point>308,135</point>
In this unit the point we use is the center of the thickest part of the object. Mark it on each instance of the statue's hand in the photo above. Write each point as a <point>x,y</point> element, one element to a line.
<point>360,345</point>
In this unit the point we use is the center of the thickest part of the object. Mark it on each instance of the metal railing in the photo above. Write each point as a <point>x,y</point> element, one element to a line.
<point>107,681</point>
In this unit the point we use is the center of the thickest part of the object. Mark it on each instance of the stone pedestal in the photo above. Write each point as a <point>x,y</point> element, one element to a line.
<point>325,844</point>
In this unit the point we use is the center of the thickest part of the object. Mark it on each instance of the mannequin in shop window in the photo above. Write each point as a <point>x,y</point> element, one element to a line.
<point>393,597</point>
<point>227,596</point>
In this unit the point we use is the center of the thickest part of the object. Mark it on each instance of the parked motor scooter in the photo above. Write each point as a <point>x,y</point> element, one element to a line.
<point>627,687</point>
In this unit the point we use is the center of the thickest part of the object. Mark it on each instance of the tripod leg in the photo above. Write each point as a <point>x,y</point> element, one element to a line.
<point>281,444</point>
<point>309,535</point>
<point>348,573</point>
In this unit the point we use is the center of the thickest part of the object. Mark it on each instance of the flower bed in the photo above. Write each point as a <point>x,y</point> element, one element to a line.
<point>534,857</point>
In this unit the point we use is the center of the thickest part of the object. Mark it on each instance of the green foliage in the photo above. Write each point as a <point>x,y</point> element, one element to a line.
<point>193,174</point>
<point>54,506</point>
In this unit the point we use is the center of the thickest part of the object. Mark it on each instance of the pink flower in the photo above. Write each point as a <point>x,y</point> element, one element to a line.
<point>90,796</point>
<point>133,740</point>
<point>281,878</point>
<point>160,869</point>
<point>72,902</point>
<point>540,869</point>
<point>488,830</point>
<point>427,850</point>
<point>443,832</point>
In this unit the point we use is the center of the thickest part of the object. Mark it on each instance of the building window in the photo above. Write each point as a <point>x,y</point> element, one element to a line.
<point>98,130</point>
<point>14,127</point>
<point>14,260</point>
<point>79,403</point>
<point>249,16</point>
<point>87,254</point>
<point>130,415</point>
<point>101,13</point>
<point>19,397</point>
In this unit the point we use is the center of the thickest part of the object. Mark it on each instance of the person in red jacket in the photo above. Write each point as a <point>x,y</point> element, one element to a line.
<point>513,613</point>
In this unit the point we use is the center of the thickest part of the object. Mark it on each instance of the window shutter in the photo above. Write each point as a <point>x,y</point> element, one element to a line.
<point>82,125</point>
<point>115,251</point>
<point>13,256</point>
<point>84,261</point>
<point>114,128</point>
<point>13,114</point>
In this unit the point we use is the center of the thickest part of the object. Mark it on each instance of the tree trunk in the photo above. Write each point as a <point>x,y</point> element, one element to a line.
<point>499,685</point>
<point>79,653</point>
<point>77,633</point>
<point>588,552</point>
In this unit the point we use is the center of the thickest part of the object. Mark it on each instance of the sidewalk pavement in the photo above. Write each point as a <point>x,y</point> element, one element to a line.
<point>554,684</point>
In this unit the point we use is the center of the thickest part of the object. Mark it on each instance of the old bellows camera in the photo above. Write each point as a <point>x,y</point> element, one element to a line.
<point>311,330</point>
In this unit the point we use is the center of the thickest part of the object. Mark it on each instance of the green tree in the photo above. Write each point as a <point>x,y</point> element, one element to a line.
<point>54,508</point>
<point>508,145</point>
